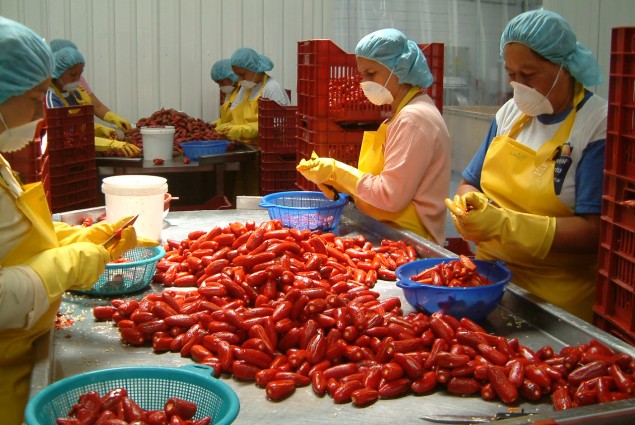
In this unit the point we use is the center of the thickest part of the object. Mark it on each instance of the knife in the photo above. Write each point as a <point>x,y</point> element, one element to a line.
<point>117,234</point>
<point>336,194</point>
<point>472,419</point>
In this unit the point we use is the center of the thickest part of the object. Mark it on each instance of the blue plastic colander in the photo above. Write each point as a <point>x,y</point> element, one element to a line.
<point>304,209</point>
<point>473,302</point>
<point>133,275</point>
<point>150,387</point>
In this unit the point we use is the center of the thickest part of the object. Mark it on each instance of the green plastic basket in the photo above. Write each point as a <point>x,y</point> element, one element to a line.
<point>130,276</point>
<point>150,387</point>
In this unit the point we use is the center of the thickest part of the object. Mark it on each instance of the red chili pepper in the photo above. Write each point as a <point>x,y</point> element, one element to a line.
<point>158,161</point>
<point>178,406</point>
<point>279,389</point>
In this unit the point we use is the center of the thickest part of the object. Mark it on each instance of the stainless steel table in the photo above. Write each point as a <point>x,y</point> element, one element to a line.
<point>217,163</point>
<point>88,345</point>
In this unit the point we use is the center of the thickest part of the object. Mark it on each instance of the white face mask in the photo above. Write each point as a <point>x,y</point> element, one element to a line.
<point>227,89</point>
<point>14,139</point>
<point>71,86</point>
<point>530,101</point>
<point>247,84</point>
<point>376,93</point>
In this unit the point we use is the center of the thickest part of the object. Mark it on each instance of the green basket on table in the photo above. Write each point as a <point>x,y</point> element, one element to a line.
<point>150,387</point>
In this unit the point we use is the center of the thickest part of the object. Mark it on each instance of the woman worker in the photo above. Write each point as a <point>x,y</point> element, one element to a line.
<point>66,91</point>
<point>101,111</point>
<point>223,75</point>
<point>531,196</point>
<point>39,259</point>
<point>403,170</point>
<point>250,68</point>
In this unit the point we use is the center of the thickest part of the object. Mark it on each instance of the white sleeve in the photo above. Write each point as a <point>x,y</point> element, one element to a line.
<point>23,299</point>
<point>274,91</point>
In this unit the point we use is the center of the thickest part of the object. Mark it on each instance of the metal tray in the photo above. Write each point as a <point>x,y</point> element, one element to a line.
<point>89,345</point>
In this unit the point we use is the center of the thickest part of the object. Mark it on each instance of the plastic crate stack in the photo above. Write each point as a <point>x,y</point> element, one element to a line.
<point>72,165</point>
<point>615,289</point>
<point>277,143</point>
<point>333,112</point>
<point>32,165</point>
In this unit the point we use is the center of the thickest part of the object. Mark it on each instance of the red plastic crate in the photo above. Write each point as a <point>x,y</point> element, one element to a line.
<point>276,127</point>
<point>615,284</point>
<point>71,145</point>
<point>70,127</point>
<point>608,325</point>
<point>277,162</point>
<point>328,82</point>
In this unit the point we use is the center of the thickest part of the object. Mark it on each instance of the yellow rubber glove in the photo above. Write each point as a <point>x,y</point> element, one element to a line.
<point>98,234</point>
<point>75,266</point>
<point>478,220</point>
<point>242,131</point>
<point>121,123</point>
<point>328,171</point>
<point>121,148</point>
<point>223,128</point>
<point>104,131</point>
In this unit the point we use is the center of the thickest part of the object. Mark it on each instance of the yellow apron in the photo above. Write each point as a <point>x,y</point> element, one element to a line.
<point>248,182</point>
<point>225,112</point>
<point>16,346</point>
<point>371,160</point>
<point>246,112</point>
<point>565,280</point>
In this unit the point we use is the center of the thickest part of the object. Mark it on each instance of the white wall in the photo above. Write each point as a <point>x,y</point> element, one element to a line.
<point>143,55</point>
<point>592,21</point>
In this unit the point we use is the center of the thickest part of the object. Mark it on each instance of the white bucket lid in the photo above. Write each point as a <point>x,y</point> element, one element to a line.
<point>168,129</point>
<point>134,185</point>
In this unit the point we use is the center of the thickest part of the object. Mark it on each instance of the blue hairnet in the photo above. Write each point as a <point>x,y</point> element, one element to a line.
<point>60,43</point>
<point>551,36</point>
<point>222,69</point>
<point>391,48</point>
<point>250,59</point>
<point>65,59</point>
<point>25,59</point>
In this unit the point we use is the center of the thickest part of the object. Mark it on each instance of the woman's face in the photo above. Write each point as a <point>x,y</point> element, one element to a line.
<point>371,70</point>
<point>247,75</point>
<point>225,82</point>
<point>526,67</point>
<point>72,74</point>
<point>24,108</point>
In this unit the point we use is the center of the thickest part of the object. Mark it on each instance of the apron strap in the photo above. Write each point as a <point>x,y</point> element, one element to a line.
<point>407,98</point>
<point>550,149</point>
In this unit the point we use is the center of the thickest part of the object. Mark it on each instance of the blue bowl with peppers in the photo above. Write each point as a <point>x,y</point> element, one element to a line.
<point>466,298</point>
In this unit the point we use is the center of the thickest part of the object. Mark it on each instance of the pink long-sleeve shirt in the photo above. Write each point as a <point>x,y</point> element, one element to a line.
<point>416,166</point>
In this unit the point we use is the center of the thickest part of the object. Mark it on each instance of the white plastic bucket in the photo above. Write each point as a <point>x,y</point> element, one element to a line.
<point>130,195</point>
<point>158,142</point>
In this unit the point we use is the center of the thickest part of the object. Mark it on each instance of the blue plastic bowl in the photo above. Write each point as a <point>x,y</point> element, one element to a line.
<point>474,303</point>
<point>149,386</point>
<point>198,148</point>
<point>304,209</point>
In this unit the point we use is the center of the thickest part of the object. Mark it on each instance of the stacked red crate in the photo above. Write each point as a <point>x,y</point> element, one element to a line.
<point>333,112</point>
<point>277,143</point>
<point>72,165</point>
<point>615,285</point>
<point>31,163</point>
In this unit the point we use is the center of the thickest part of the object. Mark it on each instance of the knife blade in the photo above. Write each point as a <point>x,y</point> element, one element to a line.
<point>117,233</point>
<point>472,419</point>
